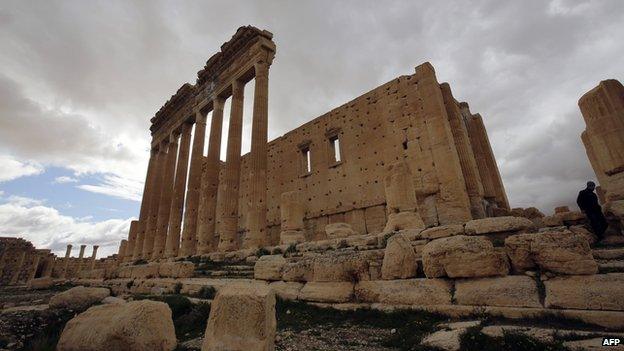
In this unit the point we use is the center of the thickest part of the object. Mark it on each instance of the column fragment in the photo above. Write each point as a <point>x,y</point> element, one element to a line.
<point>154,199</point>
<point>164,208</point>
<point>137,249</point>
<point>66,263</point>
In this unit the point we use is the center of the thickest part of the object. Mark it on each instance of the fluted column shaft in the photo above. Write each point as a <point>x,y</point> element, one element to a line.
<point>137,249</point>
<point>66,263</point>
<point>172,244</point>
<point>93,256</point>
<point>256,225</point>
<point>228,227</point>
<point>189,234</point>
<point>121,254</point>
<point>210,182</point>
<point>132,237</point>
<point>80,259</point>
<point>150,229</point>
<point>164,208</point>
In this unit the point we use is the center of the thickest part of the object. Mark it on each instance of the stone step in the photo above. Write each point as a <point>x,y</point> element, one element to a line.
<point>608,254</point>
<point>611,266</point>
<point>229,274</point>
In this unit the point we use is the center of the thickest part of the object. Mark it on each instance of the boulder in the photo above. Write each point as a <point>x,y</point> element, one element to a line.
<point>403,220</point>
<point>497,225</point>
<point>338,230</point>
<point>337,266</point>
<point>594,292</point>
<point>463,256</point>
<point>269,267</point>
<point>582,231</point>
<point>176,269</point>
<point>562,209</point>
<point>562,252</point>
<point>286,290</point>
<point>40,283</point>
<point>400,261</point>
<point>331,292</point>
<point>509,291</point>
<point>443,231</point>
<point>405,292</point>
<point>134,326</point>
<point>113,300</point>
<point>78,298</point>
<point>242,318</point>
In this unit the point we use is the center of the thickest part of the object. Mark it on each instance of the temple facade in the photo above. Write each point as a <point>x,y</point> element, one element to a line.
<point>331,170</point>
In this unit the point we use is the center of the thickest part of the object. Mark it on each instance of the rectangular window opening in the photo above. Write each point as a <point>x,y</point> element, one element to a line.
<point>307,162</point>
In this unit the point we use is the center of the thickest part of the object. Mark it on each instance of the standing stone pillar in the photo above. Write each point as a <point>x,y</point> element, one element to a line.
<point>150,229</point>
<point>189,234</point>
<point>401,199</point>
<point>33,269</point>
<point>210,182</point>
<point>603,112</point>
<point>228,228</point>
<point>132,236</point>
<point>121,254</point>
<point>137,249</point>
<point>80,259</point>
<point>18,268</point>
<point>256,219</point>
<point>93,256</point>
<point>165,199</point>
<point>172,244</point>
<point>292,212</point>
<point>467,161</point>
<point>66,263</point>
<point>49,267</point>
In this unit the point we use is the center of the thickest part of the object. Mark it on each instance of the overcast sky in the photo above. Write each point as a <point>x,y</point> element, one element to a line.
<point>79,81</point>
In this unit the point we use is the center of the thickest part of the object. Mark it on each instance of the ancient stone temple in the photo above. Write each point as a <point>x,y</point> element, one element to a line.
<point>331,170</point>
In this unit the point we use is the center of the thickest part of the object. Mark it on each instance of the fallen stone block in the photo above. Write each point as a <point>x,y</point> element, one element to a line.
<point>339,230</point>
<point>269,267</point>
<point>301,270</point>
<point>40,283</point>
<point>405,292</point>
<point>176,269</point>
<point>286,290</point>
<point>134,326</point>
<point>242,318</point>
<point>335,292</point>
<point>145,271</point>
<point>497,225</point>
<point>463,256</point>
<point>400,261</point>
<point>337,266</point>
<point>509,291</point>
<point>442,231</point>
<point>587,292</point>
<point>78,298</point>
<point>403,221</point>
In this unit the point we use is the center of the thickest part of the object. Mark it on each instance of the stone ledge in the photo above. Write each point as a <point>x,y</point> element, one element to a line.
<point>406,291</point>
<point>509,291</point>
<point>327,292</point>
<point>587,292</point>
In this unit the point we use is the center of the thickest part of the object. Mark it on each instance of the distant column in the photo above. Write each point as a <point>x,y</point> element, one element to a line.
<point>172,245</point>
<point>80,259</point>
<point>210,182</point>
<point>257,223</point>
<point>150,230</point>
<point>18,269</point>
<point>93,256</point>
<point>228,228</point>
<point>33,269</point>
<point>49,267</point>
<point>165,199</point>
<point>189,233</point>
<point>137,249</point>
<point>492,167</point>
<point>123,246</point>
<point>66,263</point>
<point>132,237</point>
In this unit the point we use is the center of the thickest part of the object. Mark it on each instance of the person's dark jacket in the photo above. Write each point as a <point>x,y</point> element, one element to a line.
<point>587,201</point>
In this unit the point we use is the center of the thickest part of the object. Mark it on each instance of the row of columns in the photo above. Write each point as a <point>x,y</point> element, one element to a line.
<point>179,219</point>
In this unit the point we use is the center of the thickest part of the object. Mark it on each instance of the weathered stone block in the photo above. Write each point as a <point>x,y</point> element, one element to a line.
<point>138,325</point>
<point>338,230</point>
<point>286,290</point>
<point>463,256</point>
<point>497,225</point>
<point>509,291</point>
<point>442,231</point>
<point>593,292</point>
<point>342,266</point>
<point>242,318</point>
<point>405,292</point>
<point>40,283</point>
<point>301,270</point>
<point>331,292</point>
<point>269,267</point>
<point>78,298</point>
<point>145,271</point>
<point>400,261</point>
<point>176,269</point>
<point>403,220</point>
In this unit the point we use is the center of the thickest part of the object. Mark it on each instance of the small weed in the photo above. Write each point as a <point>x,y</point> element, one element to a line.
<point>139,262</point>
<point>292,248</point>
<point>206,292</point>
<point>193,323</point>
<point>262,252</point>
<point>342,244</point>
<point>177,288</point>
<point>277,251</point>
<point>129,284</point>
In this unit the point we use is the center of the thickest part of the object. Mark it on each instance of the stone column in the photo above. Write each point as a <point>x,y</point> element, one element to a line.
<point>172,245</point>
<point>33,269</point>
<point>150,229</point>
<point>210,182</point>
<point>137,249</point>
<point>80,259</point>
<point>189,233</point>
<point>467,161</point>
<point>93,256</point>
<point>228,228</point>
<point>132,237</point>
<point>164,209</point>
<point>66,263</point>
<point>292,213</point>
<point>123,246</point>
<point>18,268</point>
<point>603,112</point>
<point>492,167</point>
<point>257,223</point>
<point>49,267</point>
<point>401,199</point>
<point>3,262</point>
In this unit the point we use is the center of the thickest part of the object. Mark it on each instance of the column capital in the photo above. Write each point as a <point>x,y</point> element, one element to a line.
<point>217,103</point>
<point>261,68</point>
<point>238,87</point>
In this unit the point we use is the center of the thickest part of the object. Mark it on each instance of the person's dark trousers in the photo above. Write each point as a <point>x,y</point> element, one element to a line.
<point>598,223</point>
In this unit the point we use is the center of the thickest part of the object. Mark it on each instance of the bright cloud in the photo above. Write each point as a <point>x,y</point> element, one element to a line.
<point>11,168</point>
<point>65,179</point>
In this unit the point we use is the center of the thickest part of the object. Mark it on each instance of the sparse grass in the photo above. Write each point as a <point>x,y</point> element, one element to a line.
<point>342,244</point>
<point>139,262</point>
<point>193,323</point>
<point>474,339</point>
<point>547,320</point>
<point>262,252</point>
<point>277,251</point>
<point>292,248</point>
<point>206,292</point>
<point>384,240</point>
<point>46,338</point>
<point>177,288</point>
<point>411,326</point>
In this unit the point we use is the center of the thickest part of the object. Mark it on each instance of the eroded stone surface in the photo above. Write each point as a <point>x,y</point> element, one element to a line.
<point>405,291</point>
<point>400,261</point>
<point>269,267</point>
<point>593,292</point>
<point>78,298</point>
<point>511,291</point>
<point>497,224</point>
